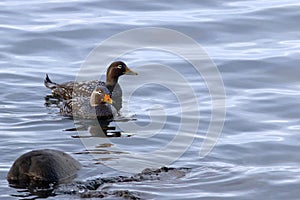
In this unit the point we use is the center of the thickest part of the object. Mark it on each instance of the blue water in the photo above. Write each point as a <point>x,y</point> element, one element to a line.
<point>255,46</point>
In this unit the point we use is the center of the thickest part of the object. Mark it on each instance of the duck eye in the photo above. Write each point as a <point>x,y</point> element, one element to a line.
<point>119,67</point>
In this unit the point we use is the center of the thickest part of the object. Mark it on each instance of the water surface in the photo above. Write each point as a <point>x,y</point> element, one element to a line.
<point>255,45</point>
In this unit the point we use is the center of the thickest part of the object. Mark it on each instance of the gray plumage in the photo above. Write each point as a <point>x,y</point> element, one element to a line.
<point>97,106</point>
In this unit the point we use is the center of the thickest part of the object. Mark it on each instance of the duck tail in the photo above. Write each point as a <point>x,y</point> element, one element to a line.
<point>48,83</point>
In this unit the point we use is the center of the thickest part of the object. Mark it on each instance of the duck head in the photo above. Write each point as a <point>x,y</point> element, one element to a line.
<point>114,71</point>
<point>100,95</point>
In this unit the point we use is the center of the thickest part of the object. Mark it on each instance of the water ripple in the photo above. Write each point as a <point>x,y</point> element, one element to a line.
<point>255,45</point>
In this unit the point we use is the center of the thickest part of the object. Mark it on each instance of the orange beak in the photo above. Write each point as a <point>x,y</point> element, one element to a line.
<point>107,99</point>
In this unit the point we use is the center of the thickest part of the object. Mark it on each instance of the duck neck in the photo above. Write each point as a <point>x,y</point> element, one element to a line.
<point>111,81</point>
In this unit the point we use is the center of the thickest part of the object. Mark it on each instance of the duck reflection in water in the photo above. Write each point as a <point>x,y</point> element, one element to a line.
<point>95,128</point>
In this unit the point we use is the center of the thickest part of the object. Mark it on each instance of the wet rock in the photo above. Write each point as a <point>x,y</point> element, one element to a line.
<point>43,168</point>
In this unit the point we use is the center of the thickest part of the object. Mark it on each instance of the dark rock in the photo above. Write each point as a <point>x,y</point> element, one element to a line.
<point>43,168</point>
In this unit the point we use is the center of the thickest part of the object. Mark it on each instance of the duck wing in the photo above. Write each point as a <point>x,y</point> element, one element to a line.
<point>65,90</point>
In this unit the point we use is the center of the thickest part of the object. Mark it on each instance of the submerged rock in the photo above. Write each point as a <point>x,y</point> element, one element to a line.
<point>43,167</point>
<point>93,188</point>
